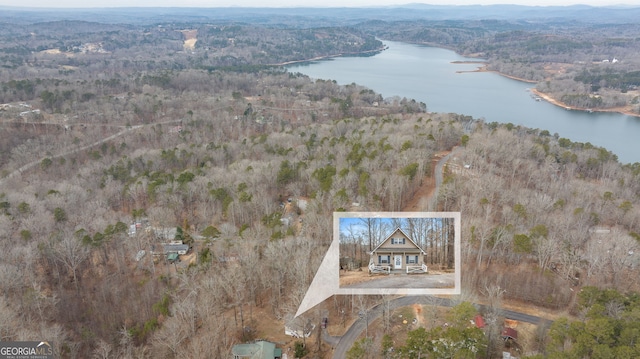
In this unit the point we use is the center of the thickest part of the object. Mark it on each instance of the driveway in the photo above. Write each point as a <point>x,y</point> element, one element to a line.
<point>444,280</point>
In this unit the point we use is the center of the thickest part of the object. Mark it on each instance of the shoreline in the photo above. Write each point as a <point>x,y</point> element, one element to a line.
<point>483,68</point>
<point>623,111</point>
<point>326,57</point>
<point>558,103</point>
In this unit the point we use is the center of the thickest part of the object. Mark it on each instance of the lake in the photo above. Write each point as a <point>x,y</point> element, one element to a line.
<point>429,75</point>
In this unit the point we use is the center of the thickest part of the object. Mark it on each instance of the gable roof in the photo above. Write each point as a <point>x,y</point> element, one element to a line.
<point>172,256</point>
<point>175,248</point>
<point>404,234</point>
<point>258,350</point>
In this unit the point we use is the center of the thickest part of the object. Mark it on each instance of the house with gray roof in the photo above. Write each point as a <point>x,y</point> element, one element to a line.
<point>397,252</point>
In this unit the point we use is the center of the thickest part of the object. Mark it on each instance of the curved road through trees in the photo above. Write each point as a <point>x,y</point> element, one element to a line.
<point>343,343</point>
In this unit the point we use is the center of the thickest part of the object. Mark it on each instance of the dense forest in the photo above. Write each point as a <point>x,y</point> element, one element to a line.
<point>119,138</point>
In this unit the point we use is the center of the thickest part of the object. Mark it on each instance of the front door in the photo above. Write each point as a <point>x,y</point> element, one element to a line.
<point>397,262</point>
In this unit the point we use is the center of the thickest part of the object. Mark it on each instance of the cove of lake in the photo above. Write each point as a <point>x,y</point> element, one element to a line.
<point>429,75</point>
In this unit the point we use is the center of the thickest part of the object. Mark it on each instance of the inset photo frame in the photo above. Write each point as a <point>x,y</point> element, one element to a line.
<point>398,252</point>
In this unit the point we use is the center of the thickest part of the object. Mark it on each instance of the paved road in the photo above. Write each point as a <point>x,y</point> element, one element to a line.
<point>346,341</point>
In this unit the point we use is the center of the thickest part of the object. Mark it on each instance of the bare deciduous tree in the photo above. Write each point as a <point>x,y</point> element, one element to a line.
<point>170,336</point>
<point>102,350</point>
<point>69,251</point>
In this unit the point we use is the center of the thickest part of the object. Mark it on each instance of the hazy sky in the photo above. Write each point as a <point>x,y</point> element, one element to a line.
<point>293,3</point>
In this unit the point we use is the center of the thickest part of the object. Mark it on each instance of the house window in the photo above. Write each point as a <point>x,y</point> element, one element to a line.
<point>384,259</point>
<point>412,259</point>
<point>397,240</point>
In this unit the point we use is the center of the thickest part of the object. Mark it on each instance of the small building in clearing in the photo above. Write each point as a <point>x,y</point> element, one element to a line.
<point>509,334</point>
<point>260,349</point>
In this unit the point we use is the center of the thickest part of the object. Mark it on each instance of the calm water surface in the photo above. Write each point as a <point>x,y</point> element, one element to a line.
<point>427,74</point>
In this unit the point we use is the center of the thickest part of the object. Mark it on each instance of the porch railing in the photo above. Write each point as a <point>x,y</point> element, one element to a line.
<point>379,269</point>
<point>417,269</point>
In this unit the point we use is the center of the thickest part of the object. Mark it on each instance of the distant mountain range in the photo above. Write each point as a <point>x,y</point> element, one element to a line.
<point>303,17</point>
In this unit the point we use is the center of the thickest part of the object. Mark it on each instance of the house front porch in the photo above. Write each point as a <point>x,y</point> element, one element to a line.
<point>386,269</point>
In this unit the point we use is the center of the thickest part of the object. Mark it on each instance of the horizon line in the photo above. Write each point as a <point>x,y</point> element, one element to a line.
<point>13,7</point>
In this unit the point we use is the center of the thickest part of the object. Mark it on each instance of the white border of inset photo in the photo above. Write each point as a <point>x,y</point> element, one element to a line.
<point>326,281</point>
<point>455,289</point>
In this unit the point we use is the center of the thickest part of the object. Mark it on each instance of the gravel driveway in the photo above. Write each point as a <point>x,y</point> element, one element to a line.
<point>445,280</point>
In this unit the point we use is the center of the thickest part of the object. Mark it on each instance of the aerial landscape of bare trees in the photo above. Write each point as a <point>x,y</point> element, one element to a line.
<point>104,126</point>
